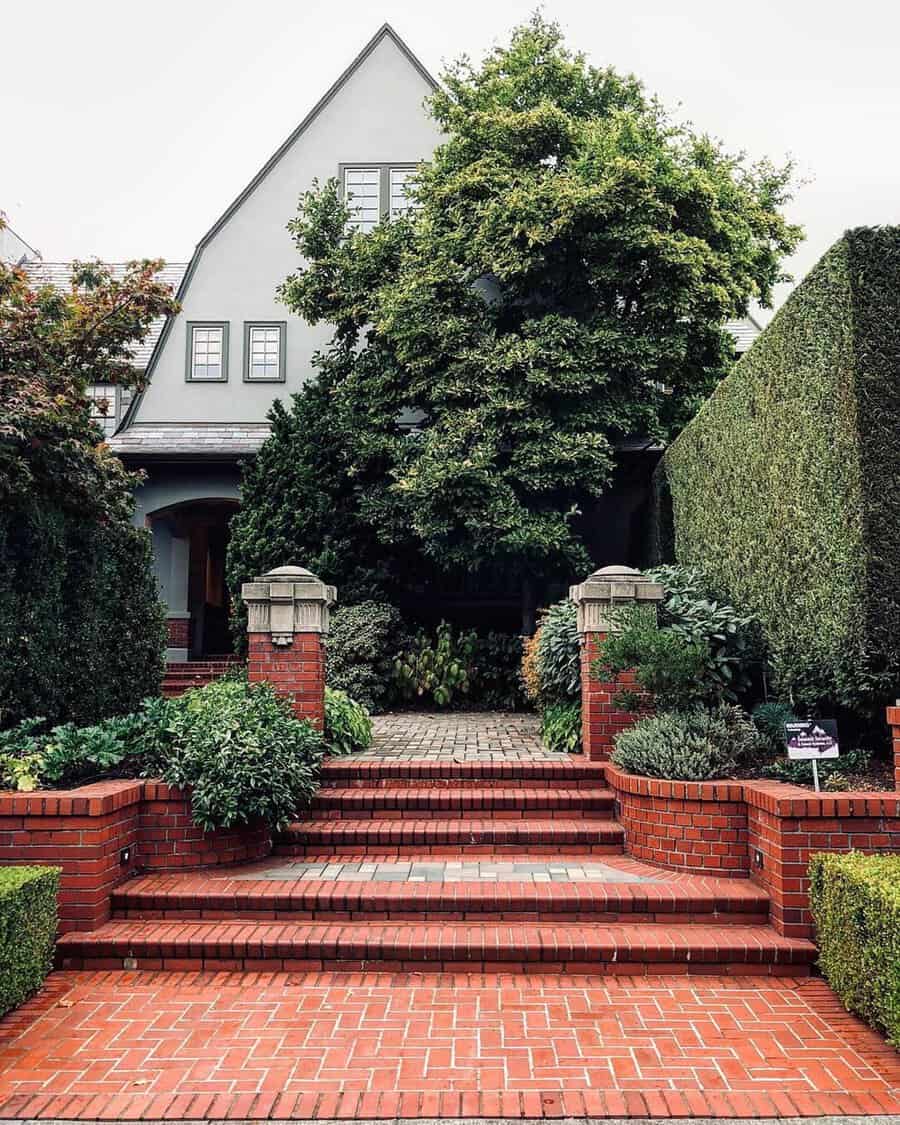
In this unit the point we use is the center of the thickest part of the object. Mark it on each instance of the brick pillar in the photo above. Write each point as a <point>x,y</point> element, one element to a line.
<point>893,718</point>
<point>287,623</point>
<point>598,598</point>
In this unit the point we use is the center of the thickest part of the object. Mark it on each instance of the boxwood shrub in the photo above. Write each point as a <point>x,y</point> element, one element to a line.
<point>784,486</point>
<point>28,921</point>
<point>855,901</point>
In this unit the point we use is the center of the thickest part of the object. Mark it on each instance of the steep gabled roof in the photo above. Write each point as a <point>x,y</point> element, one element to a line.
<point>384,32</point>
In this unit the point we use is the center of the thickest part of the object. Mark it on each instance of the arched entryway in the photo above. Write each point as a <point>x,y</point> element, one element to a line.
<point>190,541</point>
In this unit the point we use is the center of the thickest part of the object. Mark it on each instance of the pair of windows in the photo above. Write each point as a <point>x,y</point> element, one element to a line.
<point>104,403</point>
<point>264,351</point>
<point>377,190</point>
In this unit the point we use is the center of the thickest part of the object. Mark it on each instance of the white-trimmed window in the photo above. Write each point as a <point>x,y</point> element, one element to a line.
<point>401,200</point>
<point>264,351</point>
<point>103,401</point>
<point>362,191</point>
<point>207,351</point>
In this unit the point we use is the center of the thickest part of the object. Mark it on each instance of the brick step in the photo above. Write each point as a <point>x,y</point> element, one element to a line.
<point>371,773</point>
<point>446,947</point>
<point>502,803</point>
<point>459,837</point>
<point>197,896</point>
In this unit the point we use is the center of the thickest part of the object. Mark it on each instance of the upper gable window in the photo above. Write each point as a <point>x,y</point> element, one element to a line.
<point>104,406</point>
<point>207,351</point>
<point>264,351</point>
<point>401,197</point>
<point>375,190</point>
<point>362,191</point>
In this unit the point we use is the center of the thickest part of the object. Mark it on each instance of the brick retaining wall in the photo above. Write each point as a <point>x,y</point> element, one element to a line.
<point>85,830</point>
<point>763,829</point>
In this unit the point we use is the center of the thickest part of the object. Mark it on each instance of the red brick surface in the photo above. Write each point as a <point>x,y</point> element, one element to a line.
<point>319,1046</point>
<point>601,721</point>
<point>178,632</point>
<point>296,670</point>
<point>893,720</point>
<point>169,839</point>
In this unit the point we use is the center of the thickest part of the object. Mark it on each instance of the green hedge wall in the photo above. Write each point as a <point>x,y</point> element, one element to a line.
<point>82,630</point>
<point>784,487</point>
<point>28,921</point>
<point>855,901</point>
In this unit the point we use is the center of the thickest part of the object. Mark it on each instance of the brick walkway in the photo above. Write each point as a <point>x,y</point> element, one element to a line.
<point>461,736</point>
<point>177,1045</point>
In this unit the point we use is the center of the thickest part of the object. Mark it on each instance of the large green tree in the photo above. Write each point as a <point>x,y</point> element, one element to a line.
<point>81,625</point>
<point>562,285</point>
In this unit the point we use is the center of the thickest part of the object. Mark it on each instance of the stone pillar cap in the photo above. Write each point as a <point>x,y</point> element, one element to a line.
<point>287,574</point>
<point>609,587</point>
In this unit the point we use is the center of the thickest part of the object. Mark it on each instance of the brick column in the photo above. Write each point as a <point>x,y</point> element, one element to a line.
<point>287,623</point>
<point>598,599</point>
<point>893,718</point>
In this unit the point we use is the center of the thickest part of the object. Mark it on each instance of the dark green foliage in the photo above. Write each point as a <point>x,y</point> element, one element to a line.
<point>361,646</point>
<point>436,669</point>
<point>832,771</point>
<point>557,658</point>
<point>784,487</point>
<point>563,284</point>
<point>694,745</point>
<point>495,682</point>
<point>82,630</point>
<point>769,720</point>
<point>731,639</point>
<point>241,752</point>
<point>855,900</point>
<point>348,727</point>
<point>28,922</point>
<point>666,664</point>
<point>561,727</point>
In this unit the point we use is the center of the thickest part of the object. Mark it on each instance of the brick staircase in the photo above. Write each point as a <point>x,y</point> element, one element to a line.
<point>180,677</point>
<point>411,839</point>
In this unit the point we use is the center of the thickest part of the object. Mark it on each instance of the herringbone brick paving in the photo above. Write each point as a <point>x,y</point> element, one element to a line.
<point>176,1045</point>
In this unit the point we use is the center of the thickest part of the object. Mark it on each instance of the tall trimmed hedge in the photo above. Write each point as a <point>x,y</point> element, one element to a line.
<point>784,487</point>
<point>855,900</point>
<point>28,919</point>
<point>82,630</point>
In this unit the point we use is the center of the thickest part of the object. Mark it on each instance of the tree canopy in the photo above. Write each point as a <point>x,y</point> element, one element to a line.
<point>561,285</point>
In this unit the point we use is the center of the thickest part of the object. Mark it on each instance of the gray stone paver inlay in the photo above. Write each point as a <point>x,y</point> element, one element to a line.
<point>396,871</point>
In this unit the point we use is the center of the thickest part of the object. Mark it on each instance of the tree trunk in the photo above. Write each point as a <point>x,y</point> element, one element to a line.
<point>529,620</point>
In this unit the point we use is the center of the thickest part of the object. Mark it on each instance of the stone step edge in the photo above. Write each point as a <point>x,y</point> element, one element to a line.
<point>455,830</point>
<point>493,796</point>
<point>448,946</point>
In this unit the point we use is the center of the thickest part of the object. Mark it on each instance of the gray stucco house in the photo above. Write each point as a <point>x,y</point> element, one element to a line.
<point>215,369</point>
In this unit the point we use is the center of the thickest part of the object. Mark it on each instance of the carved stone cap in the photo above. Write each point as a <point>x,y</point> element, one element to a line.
<point>610,588</point>
<point>287,600</point>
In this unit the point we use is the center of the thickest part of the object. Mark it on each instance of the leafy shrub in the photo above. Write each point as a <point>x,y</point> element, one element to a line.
<point>436,669</point>
<point>668,666</point>
<point>558,655</point>
<point>495,683</point>
<point>830,769</point>
<point>855,900</point>
<point>528,672</point>
<point>561,727</point>
<point>730,639</point>
<point>28,920</point>
<point>694,745</point>
<point>769,719</point>
<point>361,646</point>
<point>808,423</point>
<point>348,727</point>
<point>241,752</point>
<point>82,634</point>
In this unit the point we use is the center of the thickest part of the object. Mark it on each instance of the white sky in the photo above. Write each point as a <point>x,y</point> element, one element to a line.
<point>129,127</point>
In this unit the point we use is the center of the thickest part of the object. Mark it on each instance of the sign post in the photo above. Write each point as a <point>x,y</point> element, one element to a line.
<point>811,740</point>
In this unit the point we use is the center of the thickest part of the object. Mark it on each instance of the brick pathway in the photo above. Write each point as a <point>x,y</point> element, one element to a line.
<point>177,1045</point>
<point>460,736</point>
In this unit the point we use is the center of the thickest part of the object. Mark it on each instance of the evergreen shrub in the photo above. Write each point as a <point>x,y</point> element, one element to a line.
<point>784,487</point>
<point>28,919</point>
<point>855,900</point>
